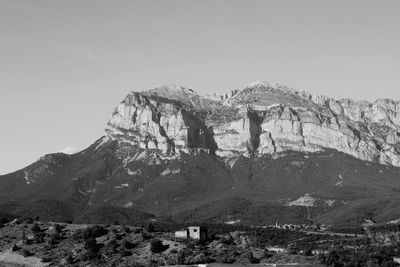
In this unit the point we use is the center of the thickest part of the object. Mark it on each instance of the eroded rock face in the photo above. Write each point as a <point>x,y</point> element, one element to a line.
<point>260,119</point>
<point>156,123</point>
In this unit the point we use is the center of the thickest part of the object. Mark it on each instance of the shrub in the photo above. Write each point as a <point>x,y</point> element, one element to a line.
<point>128,245</point>
<point>4,220</point>
<point>23,236</point>
<point>149,228</point>
<point>146,235</point>
<point>69,259</point>
<point>228,259</point>
<point>92,248</point>
<point>52,240</point>
<point>181,257</point>
<point>252,259</point>
<point>39,237</point>
<point>227,240</point>
<point>15,248</point>
<point>38,233</point>
<point>94,231</point>
<point>58,228</point>
<point>112,245</point>
<point>46,259</point>
<point>91,244</point>
<point>26,253</point>
<point>156,246</point>
<point>126,253</point>
<point>308,252</point>
<point>35,228</point>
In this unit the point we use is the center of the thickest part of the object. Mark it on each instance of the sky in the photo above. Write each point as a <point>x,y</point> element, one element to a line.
<point>66,64</point>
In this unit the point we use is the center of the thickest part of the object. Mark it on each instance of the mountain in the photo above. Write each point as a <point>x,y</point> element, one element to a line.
<point>255,155</point>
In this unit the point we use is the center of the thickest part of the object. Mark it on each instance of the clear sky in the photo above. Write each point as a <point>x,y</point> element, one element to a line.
<point>64,65</point>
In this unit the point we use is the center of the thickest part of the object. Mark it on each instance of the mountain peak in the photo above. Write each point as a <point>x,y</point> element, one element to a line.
<point>261,84</point>
<point>171,89</point>
<point>271,86</point>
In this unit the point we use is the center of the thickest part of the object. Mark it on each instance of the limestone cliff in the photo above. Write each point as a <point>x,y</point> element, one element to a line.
<point>261,119</point>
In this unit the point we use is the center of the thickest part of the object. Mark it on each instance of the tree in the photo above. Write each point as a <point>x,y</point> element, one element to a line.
<point>23,236</point>
<point>37,233</point>
<point>92,248</point>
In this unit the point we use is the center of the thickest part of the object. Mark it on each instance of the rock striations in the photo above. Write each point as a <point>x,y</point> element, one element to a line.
<point>260,119</point>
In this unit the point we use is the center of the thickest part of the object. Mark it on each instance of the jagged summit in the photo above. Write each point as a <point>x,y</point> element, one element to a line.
<point>259,83</point>
<point>270,86</point>
<point>262,118</point>
<point>169,90</point>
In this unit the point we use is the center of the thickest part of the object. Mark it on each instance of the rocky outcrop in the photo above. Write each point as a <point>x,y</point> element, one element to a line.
<point>158,124</point>
<point>261,119</point>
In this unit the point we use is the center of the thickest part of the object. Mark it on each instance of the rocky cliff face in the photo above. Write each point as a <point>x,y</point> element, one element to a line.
<point>261,119</point>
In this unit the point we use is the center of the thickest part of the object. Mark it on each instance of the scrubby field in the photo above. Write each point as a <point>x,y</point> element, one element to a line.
<point>36,243</point>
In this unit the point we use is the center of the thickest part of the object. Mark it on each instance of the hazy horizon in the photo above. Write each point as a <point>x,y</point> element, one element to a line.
<point>65,65</point>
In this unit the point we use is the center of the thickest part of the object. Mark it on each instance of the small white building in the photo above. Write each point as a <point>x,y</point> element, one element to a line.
<point>193,232</point>
<point>182,234</point>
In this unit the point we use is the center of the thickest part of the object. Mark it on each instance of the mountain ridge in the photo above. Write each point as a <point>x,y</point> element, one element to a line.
<point>271,113</point>
<point>170,152</point>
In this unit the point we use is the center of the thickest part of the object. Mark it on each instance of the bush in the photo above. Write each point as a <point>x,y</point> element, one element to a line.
<point>92,248</point>
<point>150,228</point>
<point>156,246</point>
<point>137,231</point>
<point>112,245</point>
<point>39,237</point>
<point>15,248</point>
<point>37,233</point>
<point>26,253</point>
<point>228,259</point>
<point>126,253</point>
<point>4,220</point>
<point>52,240</point>
<point>181,257</point>
<point>94,231</point>
<point>46,259</point>
<point>227,240</point>
<point>91,244</point>
<point>58,228</point>
<point>128,245</point>
<point>363,256</point>
<point>69,259</point>
<point>146,235</point>
<point>35,228</point>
